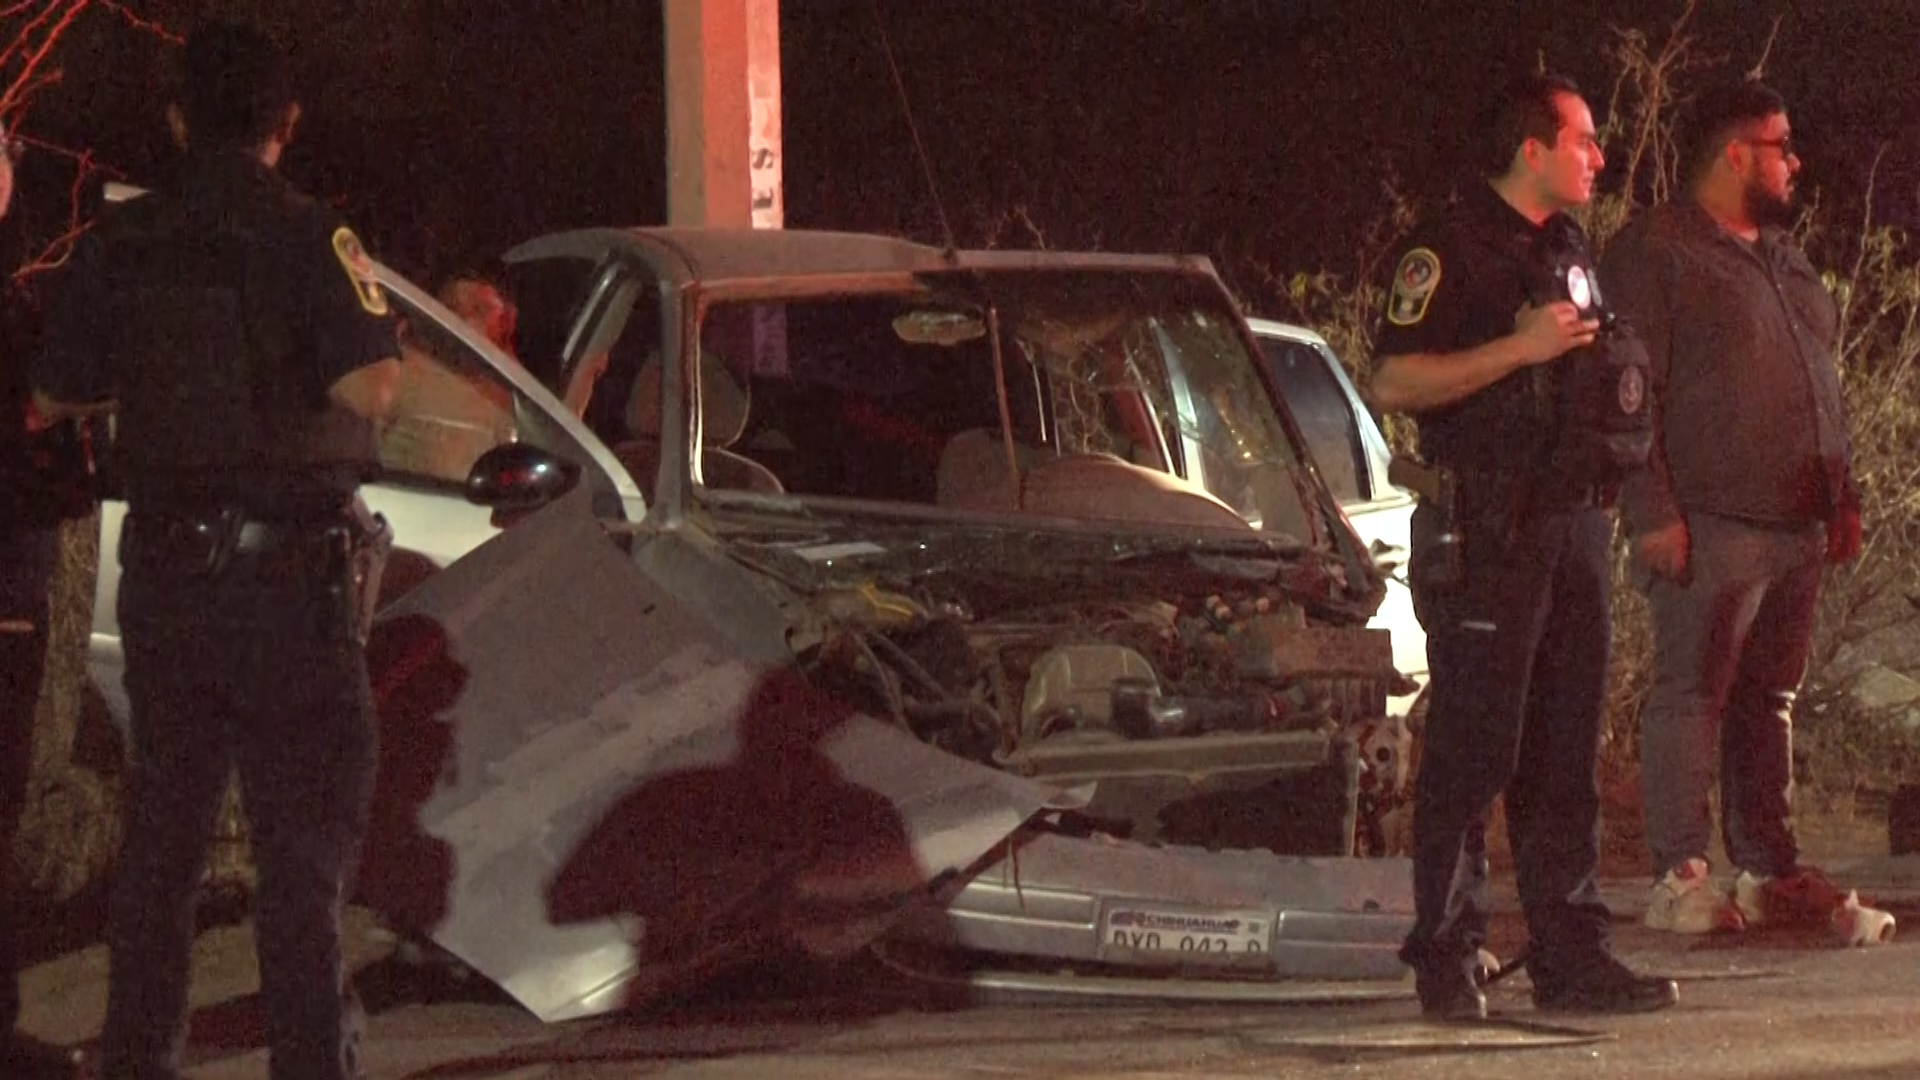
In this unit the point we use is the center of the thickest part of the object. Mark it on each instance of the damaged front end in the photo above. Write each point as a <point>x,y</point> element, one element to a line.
<point>1192,692</point>
<point>1228,742</point>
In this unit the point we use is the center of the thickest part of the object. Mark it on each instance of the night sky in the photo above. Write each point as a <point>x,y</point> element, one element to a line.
<point>1256,131</point>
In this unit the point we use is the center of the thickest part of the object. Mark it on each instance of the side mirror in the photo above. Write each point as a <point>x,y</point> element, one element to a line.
<point>519,476</point>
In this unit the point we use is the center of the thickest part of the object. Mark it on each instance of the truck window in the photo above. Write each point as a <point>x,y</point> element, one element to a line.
<point>1324,414</point>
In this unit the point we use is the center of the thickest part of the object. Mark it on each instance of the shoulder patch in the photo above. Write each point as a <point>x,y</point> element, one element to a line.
<point>353,258</point>
<point>1413,283</point>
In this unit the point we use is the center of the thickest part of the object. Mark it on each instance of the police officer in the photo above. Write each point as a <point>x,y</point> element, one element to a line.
<point>1511,578</point>
<point>239,327</point>
<point>40,483</point>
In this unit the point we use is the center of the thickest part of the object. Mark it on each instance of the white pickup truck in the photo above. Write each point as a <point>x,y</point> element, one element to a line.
<point>1351,451</point>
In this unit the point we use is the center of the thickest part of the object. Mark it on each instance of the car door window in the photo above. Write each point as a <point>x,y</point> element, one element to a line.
<point>549,295</point>
<point>1325,415</point>
<point>451,405</point>
<point>593,374</point>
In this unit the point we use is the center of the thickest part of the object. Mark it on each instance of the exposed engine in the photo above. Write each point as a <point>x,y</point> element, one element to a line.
<point>1226,721</point>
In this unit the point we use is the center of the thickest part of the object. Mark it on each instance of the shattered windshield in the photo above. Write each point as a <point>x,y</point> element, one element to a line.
<point>1122,395</point>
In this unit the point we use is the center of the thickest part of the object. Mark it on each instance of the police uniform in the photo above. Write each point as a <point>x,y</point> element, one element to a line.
<point>218,315</point>
<point>1517,631</point>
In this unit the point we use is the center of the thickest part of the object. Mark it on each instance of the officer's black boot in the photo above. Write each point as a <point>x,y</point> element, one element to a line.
<point>1600,984</point>
<point>1450,991</point>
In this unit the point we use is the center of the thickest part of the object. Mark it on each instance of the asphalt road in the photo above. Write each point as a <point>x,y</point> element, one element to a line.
<point>1753,1007</point>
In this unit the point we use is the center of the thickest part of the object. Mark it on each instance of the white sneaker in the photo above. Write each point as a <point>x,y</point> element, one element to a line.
<point>1684,901</point>
<point>1858,924</point>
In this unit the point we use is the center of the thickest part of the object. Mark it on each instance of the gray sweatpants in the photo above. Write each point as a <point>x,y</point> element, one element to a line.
<point>1730,647</point>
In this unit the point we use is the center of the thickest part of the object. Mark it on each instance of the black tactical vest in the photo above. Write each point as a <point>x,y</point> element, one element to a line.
<point>1597,398</point>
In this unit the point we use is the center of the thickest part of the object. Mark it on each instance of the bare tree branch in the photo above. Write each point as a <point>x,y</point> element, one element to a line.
<point>148,25</point>
<point>1844,341</point>
<point>30,35</point>
<point>1759,69</point>
<point>23,83</point>
<point>1643,97</point>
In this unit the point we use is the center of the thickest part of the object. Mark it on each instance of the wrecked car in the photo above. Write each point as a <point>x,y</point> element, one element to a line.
<point>981,600</point>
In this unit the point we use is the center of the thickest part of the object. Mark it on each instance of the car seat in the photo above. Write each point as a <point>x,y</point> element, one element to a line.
<point>724,404</point>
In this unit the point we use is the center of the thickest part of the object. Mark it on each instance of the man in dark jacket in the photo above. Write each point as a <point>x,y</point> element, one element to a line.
<point>1745,500</point>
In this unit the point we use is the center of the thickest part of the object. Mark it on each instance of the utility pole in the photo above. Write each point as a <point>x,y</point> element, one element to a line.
<point>724,153</point>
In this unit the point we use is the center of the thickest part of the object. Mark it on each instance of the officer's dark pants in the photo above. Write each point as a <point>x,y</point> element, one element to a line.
<point>27,560</point>
<point>255,668</point>
<point>1518,661</point>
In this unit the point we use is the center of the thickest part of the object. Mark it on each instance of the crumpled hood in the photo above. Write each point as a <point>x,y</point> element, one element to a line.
<point>592,795</point>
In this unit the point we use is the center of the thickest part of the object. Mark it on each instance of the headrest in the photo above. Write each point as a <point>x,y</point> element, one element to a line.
<point>723,401</point>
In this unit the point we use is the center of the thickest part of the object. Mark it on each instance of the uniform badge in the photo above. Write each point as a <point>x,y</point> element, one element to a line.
<point>353,258</point>
<point>1633,391</point>
<point>1413,284</point>
<point>1579,287</point>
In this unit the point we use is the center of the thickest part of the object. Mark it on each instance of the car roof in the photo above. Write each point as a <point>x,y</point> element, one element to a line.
<point>714,255</point>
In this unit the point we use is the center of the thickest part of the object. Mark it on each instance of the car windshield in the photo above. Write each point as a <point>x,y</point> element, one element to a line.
<point>1111,394</point>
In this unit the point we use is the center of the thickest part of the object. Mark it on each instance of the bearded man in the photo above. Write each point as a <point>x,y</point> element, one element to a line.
<point>1747,496</point>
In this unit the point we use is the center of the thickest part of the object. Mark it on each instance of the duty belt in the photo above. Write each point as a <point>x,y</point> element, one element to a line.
<point>200,542</point>
<point>349,547</point>
<point>1446,486</point>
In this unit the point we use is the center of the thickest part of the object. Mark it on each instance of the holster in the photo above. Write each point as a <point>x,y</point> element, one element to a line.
<point>1438,560</point>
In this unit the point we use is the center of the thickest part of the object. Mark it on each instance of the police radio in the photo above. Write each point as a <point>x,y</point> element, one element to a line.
<point>1598,395</point>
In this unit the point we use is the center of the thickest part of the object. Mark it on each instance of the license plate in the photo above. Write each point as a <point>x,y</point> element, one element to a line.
<point>1186,933</point>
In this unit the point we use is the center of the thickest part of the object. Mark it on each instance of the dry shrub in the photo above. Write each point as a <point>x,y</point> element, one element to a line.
<point>70,830</point>
<point>1868,610</point>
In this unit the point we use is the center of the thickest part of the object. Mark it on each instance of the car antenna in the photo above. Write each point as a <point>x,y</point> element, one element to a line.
<point>919,146</point>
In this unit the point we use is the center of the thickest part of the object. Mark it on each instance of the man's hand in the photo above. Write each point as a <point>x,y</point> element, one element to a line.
<point>1414,383</point>
<point>1547,332</point>
<point>1663,552</point>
